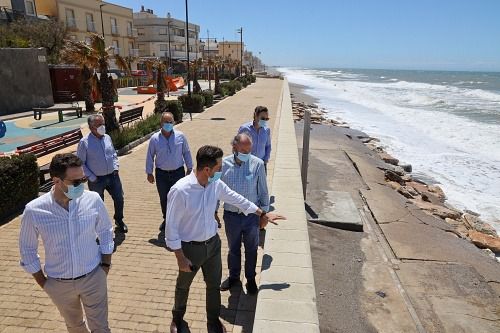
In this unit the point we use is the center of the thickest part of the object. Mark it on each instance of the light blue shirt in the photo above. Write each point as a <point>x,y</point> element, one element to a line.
<point>247,179</point>
<point>98,156</point>
<point>68,236</point>
<point>261,140</point>
<point>168,153</point>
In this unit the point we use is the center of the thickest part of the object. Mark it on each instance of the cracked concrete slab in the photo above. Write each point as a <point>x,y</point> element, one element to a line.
<point>451,297</point>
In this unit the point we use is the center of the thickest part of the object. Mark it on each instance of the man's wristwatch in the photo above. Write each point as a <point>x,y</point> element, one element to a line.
<point>103,264</point>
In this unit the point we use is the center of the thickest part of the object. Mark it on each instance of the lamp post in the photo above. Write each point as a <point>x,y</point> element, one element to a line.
<point>169,49</point>
<point>102,21</point>
<point>208,52</point>
<point>240,31</point>
<point>187,54</point>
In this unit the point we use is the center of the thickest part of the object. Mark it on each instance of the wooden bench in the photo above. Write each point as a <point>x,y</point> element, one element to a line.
<point>47,146</point>
<point>130,115</point>
<point>64,96</point>
<point>37,112</point>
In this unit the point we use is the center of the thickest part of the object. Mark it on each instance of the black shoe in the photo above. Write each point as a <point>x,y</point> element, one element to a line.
<point>216,327</point>
<point>179,326</point>
<point>251,287</point>
<point>162,226</point>
<point>229,283</point>
<point>122,227</point>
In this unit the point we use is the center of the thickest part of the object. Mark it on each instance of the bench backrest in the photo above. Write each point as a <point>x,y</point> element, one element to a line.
<point>65,96</point>
<point>54,143</point>
<point>130,115</point>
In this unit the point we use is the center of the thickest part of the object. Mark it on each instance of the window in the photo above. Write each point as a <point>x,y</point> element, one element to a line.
<point>116,47</point>
<point>30,7</point>
<point>129,28</point>
<point>180,48</point>
<point>192,34</point>
<point>90,22</point>
<point>163,31</point>
<point>131,50</point>
<point>87,40</point>
<point>140,32</point>
<point>70,18</point>
<point>179,32</point>
<point>163,47</point>
<point>114,26</point>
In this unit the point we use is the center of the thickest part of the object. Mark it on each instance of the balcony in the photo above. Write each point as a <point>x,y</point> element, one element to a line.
<point>91,26</point>
<point>71,24</point>
<point>133,53</point>
<point>114,30</point>
<point>132,33</point>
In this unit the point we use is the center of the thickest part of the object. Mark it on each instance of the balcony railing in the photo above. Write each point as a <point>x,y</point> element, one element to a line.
<point>71,23</point>
<point>131,32</point>
<point>114,30</point>
<point>133,52</point>
<point>91,26</point>
<point>116,50</point>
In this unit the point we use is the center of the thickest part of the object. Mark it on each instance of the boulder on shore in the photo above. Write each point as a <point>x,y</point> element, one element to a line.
<point>389,159</point>
<point>484,241</point>
<point>437,210</point>
<point>393,176</point>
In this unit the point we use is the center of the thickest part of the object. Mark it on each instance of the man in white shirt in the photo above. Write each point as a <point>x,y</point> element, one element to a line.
<point>191,232</point>
<point>68,218</point>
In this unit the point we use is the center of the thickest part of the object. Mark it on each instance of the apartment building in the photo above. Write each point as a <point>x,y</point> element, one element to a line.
<point>14,9</point>
<point>165,36</point>
<point>84,17</point>
<point>231,50</point>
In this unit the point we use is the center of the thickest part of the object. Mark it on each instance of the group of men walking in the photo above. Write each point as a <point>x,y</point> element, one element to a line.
<point>68,218</point>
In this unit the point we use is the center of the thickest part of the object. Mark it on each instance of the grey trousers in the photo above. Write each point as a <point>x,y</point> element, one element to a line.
<point>91,292</point>
<point>208,257</point>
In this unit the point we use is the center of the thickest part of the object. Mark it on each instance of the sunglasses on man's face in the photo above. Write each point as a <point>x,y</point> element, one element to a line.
<point>76,182</point>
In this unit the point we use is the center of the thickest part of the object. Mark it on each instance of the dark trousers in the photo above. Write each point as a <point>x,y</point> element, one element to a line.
<point>164,181</point>
<point>240,227</point>
<point>208,257</point>
<point>113,185</point>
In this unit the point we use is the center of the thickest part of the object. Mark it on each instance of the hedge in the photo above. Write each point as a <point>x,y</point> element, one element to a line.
<point>174,107</point>
<point>208,95</point>
<point>227,88</point>
<point>193,104</point>
<point>135,131</point>
<point>19,183</point>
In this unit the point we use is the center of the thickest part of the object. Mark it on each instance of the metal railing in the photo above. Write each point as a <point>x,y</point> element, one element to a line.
<point>133,52</point>
<point>125,82</point>
<point>114,30</point>
<point>71,23</point>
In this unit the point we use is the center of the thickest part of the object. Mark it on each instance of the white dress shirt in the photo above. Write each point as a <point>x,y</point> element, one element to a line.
<point>191,208</point>
<point>69,236</point>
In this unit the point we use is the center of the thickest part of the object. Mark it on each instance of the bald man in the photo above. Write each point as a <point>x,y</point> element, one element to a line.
<point>168,153</point>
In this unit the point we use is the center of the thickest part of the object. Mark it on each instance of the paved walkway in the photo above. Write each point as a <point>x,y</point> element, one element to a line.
<point>142,280</point>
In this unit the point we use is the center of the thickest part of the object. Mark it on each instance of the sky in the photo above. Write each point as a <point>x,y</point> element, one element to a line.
<point>385,34</point>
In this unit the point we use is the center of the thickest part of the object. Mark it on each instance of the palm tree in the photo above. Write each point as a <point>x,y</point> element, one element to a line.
<point>96,56</point>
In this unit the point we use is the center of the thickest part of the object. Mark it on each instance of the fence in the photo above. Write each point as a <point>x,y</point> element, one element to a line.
<point>124,82</point>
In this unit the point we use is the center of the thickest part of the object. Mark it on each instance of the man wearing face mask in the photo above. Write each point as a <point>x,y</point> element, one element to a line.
<point>68,218</point>
<point>244,174</point>
<point>100,164</point>
<point>191,232</point>
<point>168,152</point>
<point>260,133</point>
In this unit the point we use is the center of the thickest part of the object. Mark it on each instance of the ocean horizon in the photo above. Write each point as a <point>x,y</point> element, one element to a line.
<point>444,123</point>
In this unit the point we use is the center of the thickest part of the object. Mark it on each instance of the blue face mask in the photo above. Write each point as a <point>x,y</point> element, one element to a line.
<point>75,192</point>
<point>263,123</point>
<point>215,177</point>
<point>243,157</point>
<point>167,127</point>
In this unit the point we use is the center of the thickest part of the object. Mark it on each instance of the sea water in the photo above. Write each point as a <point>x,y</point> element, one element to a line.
<point>445,124</point>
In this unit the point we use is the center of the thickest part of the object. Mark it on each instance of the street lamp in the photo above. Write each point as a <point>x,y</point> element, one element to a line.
<point>240,31</point>
<point>208,51</point>
<point>187,54</point>
<point>102,21</point>
<point>169,49</point>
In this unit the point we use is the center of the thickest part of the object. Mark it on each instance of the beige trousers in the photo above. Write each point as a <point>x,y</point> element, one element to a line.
<point>91,291</point>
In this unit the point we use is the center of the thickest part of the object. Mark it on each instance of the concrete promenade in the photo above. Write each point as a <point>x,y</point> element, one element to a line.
<point>142,280</point>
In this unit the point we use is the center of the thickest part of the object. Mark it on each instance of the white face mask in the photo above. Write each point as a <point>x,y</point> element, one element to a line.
<point>101,130</point>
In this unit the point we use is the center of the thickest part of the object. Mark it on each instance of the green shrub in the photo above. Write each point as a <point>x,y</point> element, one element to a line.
<point>175,107</point>
<point>251,78</point>
<point>19,183</point>
<point>193,103</point>
<point>228,89</point>
<point>135,131</point>
<point>208,95</point>
<point>237,85</point>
